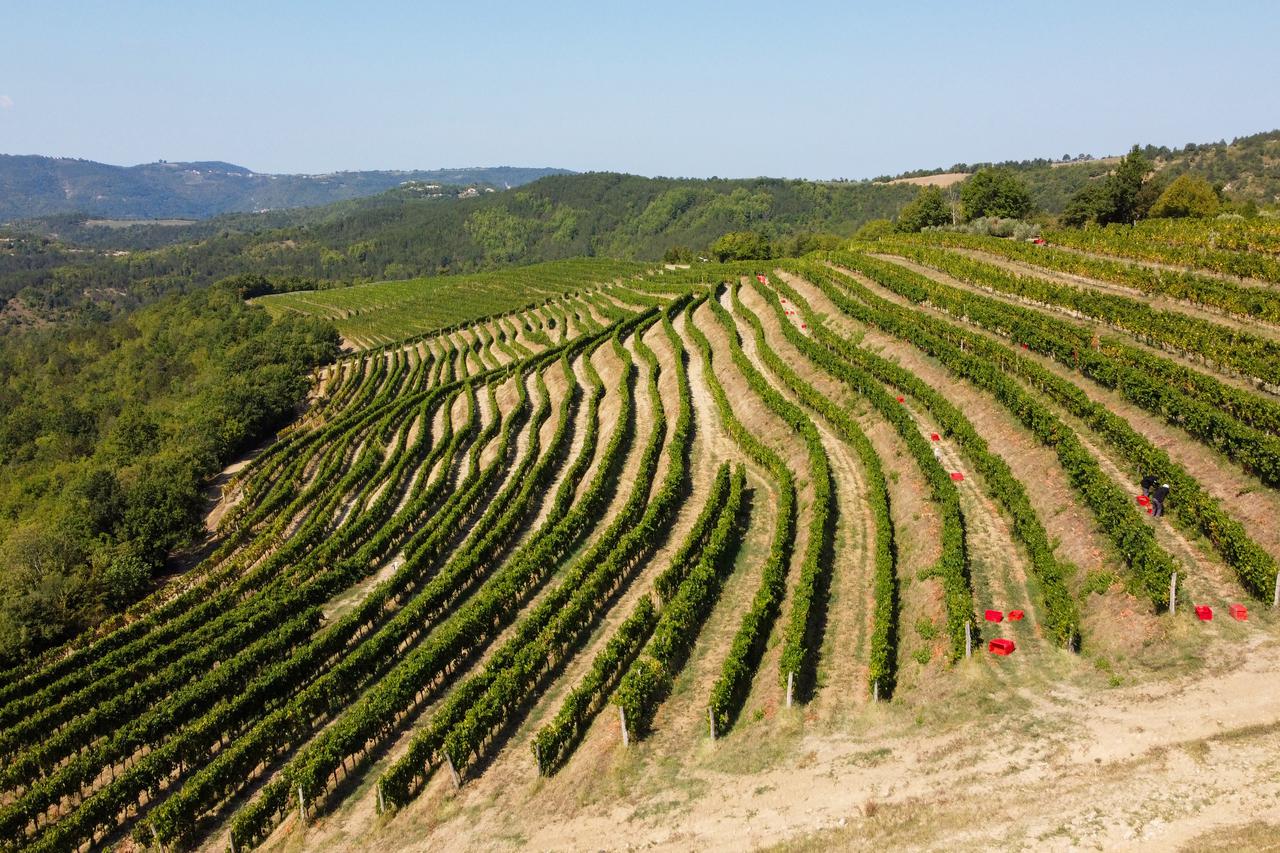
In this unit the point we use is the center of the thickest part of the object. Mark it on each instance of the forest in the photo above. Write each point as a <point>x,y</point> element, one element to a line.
<point>110,431</point>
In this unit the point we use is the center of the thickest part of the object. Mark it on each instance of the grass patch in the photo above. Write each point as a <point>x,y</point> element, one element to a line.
<point>926,629</point>
<point>1098,583</point>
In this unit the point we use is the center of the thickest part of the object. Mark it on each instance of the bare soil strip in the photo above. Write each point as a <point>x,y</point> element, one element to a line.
<point>766,691</point>
<point>843,661</point>
<point>1157,265</point>
<point>1081,322</point>
<point>1159,302</point>
<point>917,530</point>
<point>1243,496</point>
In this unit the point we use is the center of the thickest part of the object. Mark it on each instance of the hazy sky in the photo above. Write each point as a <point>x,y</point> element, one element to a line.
<point>839,89</point>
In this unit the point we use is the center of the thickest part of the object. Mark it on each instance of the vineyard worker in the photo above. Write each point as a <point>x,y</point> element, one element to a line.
<point>1158,498</point>
<point>1148,483</point>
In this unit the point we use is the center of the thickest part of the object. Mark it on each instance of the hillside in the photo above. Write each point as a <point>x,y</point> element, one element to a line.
<point>376,314</point>
<point>70,264</point>
<point>1247,168</point>
<point>32,186</point>
<point>401,235</point>
<point>687,556</point>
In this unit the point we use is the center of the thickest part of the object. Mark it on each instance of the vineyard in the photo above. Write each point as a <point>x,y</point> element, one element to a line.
<point>378,314</point>
<point>553,531</point>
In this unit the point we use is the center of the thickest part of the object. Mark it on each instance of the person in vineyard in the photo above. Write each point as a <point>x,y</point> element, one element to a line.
<point>1148,483</point>
<point>1158,498</point>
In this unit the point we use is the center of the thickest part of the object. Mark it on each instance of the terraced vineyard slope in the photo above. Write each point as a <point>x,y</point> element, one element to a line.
<point>591,536</point>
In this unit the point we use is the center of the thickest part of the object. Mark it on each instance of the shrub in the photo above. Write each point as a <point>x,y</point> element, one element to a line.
<point>928,208</point>
<point>995,192</point>
<point>1188,195</point>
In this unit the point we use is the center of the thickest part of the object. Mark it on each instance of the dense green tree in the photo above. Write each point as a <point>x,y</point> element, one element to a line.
<point>126,577</point>
<point>1087,205</point>
<point>995,192</point>
<point>803,244</point>
<point>929,208</point>
<point>1125,187</point>
<point>741,246</point>
<point>45,592</point>
<point>1187,195</point>
<point>678,255</point>
<point>1125,195</point>
<point>1151,189</point>
<point>874,230</point>
<point>109,432</point>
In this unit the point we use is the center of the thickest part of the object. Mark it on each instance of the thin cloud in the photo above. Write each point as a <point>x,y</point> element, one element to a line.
<point>6,103</point>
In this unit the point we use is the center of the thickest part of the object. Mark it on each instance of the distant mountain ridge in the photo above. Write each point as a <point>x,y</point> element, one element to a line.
<point>32,185</point>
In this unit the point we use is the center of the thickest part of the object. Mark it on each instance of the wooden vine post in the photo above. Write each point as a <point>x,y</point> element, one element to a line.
<point>453,772</point>
<point>622,720</point>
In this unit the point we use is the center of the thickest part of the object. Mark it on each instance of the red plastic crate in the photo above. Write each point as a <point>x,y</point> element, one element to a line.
<point>957,476</point>
<point>994,616</point>
<point>1016,615</point>
<point>1143,500</point>
<point>901,399</point>
<point>1001,646</point>
<point>1204,612</point>
<point>934,437</point>
<point>761,279</point>
<point>1239,612</point>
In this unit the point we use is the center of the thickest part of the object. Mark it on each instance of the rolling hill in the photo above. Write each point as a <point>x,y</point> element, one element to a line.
<point>718,552</point>
<point>32,186</point>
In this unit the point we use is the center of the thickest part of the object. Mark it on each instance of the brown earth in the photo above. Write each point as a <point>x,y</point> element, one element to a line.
<point>946,179</point>
<point>1166,734</point>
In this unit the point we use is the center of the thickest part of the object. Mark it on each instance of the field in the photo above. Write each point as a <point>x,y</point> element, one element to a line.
<point>599,555</point>
<point>373,314</point>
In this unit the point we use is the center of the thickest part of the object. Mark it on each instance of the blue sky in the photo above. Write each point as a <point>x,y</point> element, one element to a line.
<point>813,90</point>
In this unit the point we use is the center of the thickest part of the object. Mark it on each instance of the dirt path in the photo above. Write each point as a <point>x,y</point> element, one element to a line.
<point>1241,495</point>
<point>766,690</point>
<point>922,644</point>
<point>1242,281</point>
<point>1047,764</point>
<point>592,308</point>
<point>1206,575</point>
<point>681,721</point>
<point>577,436</point>
<point>494,352</point>
<point>843,660</point>
<point>1220,374</point>
<point>609,368</point>
<point>357,813</point>
<point>1159,302</point>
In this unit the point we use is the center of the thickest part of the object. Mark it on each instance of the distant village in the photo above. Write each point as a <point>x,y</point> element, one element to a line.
<point>440,191</point>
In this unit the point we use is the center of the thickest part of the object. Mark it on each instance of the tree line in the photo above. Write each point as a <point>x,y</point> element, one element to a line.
<point>109,433</point>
